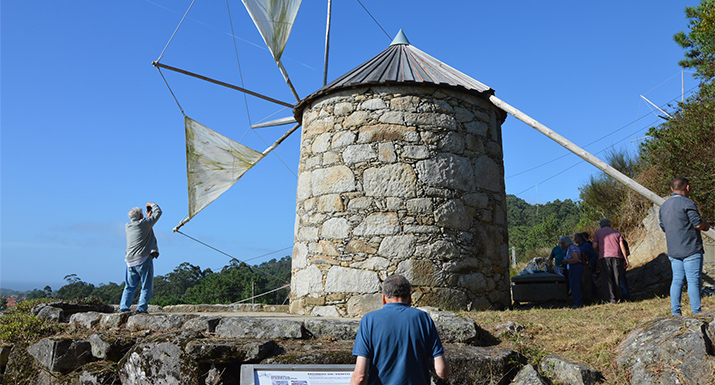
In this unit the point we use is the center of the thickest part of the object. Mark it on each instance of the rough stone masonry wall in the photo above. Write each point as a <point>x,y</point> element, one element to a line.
<point>400,180</point>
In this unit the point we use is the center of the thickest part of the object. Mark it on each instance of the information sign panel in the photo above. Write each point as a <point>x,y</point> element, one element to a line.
<point>296,374</point>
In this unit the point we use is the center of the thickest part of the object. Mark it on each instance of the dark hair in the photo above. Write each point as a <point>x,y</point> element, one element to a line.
<point>679,183</point>
<point>578,238</point>
<point>396,286</point>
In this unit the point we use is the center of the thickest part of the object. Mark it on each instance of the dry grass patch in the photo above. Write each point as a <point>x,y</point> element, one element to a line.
<point>588,335</point>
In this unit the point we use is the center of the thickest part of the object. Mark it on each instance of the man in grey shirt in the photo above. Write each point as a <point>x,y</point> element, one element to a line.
<point>141,251</point>
<point>680,220</point>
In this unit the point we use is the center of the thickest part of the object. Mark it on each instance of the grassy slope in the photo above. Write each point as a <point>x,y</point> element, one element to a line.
<point>587,335</point>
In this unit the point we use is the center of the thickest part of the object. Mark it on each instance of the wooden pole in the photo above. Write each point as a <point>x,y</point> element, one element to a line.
<point>280,140</point>
<point>224,84</point>
<point>287,79</point>
<point>658,108</point>
<point>583,154</point>
<point>277,122</point>
<point>327,44</point>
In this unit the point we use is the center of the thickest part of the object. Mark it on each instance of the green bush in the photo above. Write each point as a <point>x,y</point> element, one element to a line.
<point>18,325</point>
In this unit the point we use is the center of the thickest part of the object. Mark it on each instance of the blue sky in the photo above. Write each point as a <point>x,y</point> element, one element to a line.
<point>89,129</point>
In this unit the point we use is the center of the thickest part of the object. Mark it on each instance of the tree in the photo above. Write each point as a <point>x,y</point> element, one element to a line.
<point>110,293</point>
<point>685,144</point>
<point>700,41</point>
<point>274,274</point>
<point>35,294</point>
<point>233,283</point>
<point>519,212</point>
<point>170,288</point>
<point>75,288</point>
<point>535,228</point>
<point>72,278</point>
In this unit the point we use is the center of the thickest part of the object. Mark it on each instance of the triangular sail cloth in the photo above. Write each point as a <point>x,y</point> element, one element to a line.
<point>213,164</point>
<point>274,19</point>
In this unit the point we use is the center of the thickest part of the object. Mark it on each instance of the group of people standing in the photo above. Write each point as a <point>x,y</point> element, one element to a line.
<point>606,257</point>
<point>580,260</point>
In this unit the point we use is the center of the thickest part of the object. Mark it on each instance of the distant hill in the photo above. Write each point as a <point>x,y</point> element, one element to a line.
<point>11,293</point>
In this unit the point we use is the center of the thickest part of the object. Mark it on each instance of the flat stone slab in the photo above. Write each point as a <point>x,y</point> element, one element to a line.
<point>146,321</point>
<point>86,320</point>
<point>113,320</point>
<point>264,328</point>
<point>341,329</point>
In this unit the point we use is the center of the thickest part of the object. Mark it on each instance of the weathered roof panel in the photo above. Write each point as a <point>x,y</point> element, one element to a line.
<point>401,62</point>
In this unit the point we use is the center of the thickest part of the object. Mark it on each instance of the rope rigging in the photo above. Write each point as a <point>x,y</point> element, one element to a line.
<point>375,20</point>
<point>240,73</point>
<point>175,30</point>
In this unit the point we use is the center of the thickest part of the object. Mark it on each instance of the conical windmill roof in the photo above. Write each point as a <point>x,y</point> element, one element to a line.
<point>404,64</point>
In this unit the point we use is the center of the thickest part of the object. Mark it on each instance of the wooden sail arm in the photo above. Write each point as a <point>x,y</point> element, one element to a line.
<point>277,122</point>
<point>327,43</point>
<point>224,84</point>
<point>287,79</point>
<point>280,140</point>
<point>585,155</point>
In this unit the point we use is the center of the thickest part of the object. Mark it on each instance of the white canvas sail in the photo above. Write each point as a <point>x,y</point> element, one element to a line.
<point>274,20</point>
<point>213,164</point>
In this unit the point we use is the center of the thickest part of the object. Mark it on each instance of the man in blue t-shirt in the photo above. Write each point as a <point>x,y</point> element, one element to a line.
<point>397,344</point>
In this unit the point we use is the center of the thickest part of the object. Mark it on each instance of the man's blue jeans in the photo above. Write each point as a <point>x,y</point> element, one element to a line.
<point>688,269</point>
<point>143,273</point>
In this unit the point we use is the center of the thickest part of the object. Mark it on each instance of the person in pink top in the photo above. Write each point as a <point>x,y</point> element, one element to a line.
<point>611,260</point>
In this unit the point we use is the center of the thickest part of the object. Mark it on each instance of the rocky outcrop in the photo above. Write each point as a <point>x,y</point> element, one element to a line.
<point>161,360</point>
<point>670,351</point>
<point>61,355</point>
<point>62,311</point>
<point>177,348</point>
<point>652,242</point>
<point>528,376</point>
<point>106,346</point>
<point>479,365</point>
<point>563,371</point>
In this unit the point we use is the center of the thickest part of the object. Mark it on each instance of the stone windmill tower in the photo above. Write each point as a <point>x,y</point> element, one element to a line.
<point>401,171</point>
